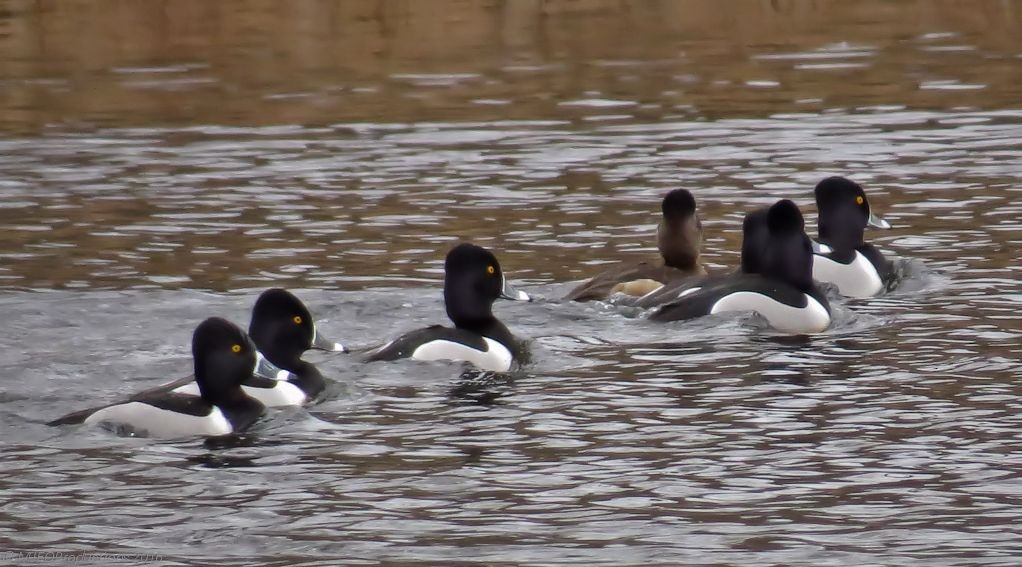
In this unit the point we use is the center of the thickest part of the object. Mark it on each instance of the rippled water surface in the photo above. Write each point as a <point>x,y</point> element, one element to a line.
<point>161,163</point>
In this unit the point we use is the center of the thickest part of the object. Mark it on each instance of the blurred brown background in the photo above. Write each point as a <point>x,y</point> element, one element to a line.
<point>136,63</point>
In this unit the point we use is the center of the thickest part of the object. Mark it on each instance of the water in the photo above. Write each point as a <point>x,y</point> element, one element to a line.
<point>172,168</point>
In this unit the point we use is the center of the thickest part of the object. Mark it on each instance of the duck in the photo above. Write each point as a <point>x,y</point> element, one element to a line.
<point>679,239</point>
<point>775,278</point>
<point>283,330</point>
<point>473,281</point>
<point>224,356</point>
<point>858,269</point>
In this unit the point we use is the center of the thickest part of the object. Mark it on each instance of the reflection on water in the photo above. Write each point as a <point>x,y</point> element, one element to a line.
<point>161,162</point>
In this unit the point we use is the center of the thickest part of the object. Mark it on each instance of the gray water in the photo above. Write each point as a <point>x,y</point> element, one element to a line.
<point>159,176</point>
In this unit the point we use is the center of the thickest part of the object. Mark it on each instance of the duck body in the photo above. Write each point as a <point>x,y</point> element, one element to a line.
<point>473,280</point>
<point>861,272</point>
<point>224,356</point>
<point>631,280</point>
<point>785,307</point>
<point>775,279</point>
<point>180,415</point>
<point>679,238</point>
<point>446,343</point>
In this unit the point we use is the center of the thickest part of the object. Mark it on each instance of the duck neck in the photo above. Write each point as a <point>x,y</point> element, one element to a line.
<point>789,259</point>
<point>841,236</point>
<point>220,381</point>
<point>466,306</point>
<point>240,409</point>
<point>676,245</point>
<point>290,361</point>
<point>488,327</point>
<point>751,252</point>
<point>498,332</point>
<point>308,378</point>
<point>231,400</point>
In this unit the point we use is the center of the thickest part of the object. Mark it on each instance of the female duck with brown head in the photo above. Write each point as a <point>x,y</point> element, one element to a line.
<point>679,238</point>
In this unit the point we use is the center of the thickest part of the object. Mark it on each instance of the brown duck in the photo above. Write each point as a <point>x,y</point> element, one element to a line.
<point>679,237</point>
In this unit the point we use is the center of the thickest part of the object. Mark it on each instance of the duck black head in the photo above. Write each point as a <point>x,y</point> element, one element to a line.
<point>224,357</point>
<point>844,213</point>
<point>473,280</point>
<point>283,329</point>
<point>788,253</point>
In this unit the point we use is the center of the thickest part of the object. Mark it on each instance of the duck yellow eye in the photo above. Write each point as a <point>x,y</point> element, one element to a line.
<point>236,348</point>
<point>859,200</point>
<point>491,270</point>
<point>297,319</point>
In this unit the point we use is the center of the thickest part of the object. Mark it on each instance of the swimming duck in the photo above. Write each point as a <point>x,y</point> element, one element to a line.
<point>857,268</point>
<point>775,279</point>
<point>679,238</point>
<point>224,356</point>
<point>282,329</point>
<point>473,280</point>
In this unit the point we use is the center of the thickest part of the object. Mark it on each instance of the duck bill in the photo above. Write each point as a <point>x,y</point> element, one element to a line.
<point>509,292</point>
<point>266,369</point>
<point>319,342</point>
<point>877,222</point>
<point>819,247</point>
